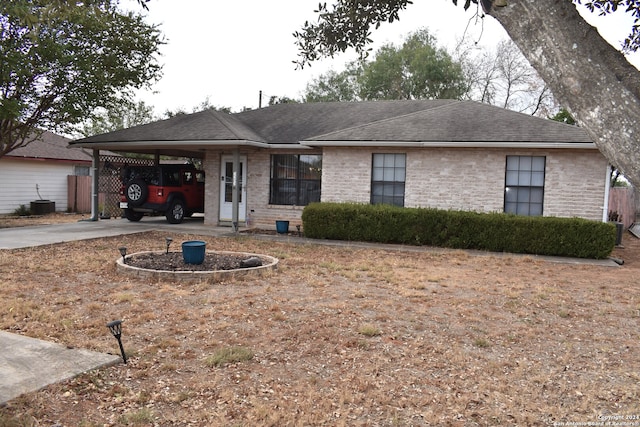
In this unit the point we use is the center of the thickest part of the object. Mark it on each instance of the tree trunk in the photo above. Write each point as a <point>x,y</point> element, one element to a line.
<point>588,76</point>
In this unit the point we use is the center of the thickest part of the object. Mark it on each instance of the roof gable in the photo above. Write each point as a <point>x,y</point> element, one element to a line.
<point>207,125</point>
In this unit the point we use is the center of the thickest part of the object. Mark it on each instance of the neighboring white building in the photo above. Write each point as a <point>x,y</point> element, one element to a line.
<point>444,154</point>
<point>39,171</point>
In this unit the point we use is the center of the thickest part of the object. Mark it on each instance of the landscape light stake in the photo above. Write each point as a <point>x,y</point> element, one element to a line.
<point>116,330</point>
<point>169,240</point>
<point>123,252</point>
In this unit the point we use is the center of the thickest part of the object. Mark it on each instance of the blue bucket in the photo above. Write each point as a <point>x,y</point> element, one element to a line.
<point>193,251</point>
<point>282,227</point>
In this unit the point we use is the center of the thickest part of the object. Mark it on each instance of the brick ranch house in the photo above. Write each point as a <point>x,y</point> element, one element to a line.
<point>445,154</point>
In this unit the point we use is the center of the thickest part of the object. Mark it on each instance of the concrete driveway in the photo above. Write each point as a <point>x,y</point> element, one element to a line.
<point>25,237</point>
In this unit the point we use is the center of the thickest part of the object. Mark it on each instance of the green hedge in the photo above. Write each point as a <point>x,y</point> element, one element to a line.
<point>496,232</point>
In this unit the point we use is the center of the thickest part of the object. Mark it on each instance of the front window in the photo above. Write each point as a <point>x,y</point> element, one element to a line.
<point>82,170</point>
<point>295,179</point>
<point>524,185</point>
<point>388,178</point>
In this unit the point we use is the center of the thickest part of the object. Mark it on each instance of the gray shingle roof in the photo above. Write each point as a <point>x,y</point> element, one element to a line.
<point>461,121</point>
<point>357,122</point>
<point>207,125</point>
<point>291,123</point>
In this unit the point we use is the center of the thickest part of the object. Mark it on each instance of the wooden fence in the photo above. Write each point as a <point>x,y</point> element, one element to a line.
<point>622,200</point>
<point>79,193</point>
<point>79,187</point>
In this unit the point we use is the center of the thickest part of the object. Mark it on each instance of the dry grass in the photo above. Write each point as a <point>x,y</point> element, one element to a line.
<point>336,337</point>
<point>23,221</point>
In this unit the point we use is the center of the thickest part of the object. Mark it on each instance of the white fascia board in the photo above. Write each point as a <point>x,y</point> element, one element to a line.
<point>186,144</point>
<point>290,147</point>
<point>449,144</point>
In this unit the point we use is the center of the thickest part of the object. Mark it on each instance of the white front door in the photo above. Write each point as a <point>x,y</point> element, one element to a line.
<point>227,181</point>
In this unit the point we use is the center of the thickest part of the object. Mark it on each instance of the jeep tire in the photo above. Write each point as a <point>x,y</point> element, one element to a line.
<point>132,215</point>
<point>175,213</point>
<point>136,192</point>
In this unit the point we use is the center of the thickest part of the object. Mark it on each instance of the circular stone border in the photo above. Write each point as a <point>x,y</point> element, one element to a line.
<point>190,275</point>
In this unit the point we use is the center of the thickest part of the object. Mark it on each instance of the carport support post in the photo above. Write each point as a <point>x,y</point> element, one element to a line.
<point>235,191</point>
<point>95,168</point>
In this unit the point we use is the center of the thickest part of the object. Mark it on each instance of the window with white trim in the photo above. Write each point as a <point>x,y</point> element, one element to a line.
<point>388,175</point>
<point>524,185</point>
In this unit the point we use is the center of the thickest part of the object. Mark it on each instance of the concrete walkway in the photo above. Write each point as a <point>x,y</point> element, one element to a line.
<point>28,364</point>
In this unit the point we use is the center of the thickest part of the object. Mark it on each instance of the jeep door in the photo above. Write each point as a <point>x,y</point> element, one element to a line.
<point>193,188</point>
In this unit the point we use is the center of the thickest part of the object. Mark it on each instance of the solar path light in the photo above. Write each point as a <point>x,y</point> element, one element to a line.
<point>168,240</point>
<point>123,252</point>
<point>116,330</point>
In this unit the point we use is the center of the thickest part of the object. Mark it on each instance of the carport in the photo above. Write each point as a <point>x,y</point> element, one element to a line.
<point>184,135</point>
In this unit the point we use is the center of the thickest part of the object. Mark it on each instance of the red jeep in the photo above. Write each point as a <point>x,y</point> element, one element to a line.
<point>177,191</point>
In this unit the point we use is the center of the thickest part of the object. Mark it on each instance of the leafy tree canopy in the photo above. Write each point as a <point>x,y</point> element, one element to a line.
<point>347,24</point>
<point>122,116</point>
<point>564,116</point>
<point>274,100</point>
<point>335,86</point>
<point>416,70</point>
<point>61,60</point>
<point>204,105</point>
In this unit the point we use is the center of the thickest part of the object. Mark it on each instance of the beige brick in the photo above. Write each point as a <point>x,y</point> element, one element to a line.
<point>444,178</point>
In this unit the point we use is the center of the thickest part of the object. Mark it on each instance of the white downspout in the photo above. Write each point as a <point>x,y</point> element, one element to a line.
<point>605,208</point>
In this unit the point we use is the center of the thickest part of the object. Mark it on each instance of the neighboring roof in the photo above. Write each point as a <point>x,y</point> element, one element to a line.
<point>414,123</point>
<point>52,147</point>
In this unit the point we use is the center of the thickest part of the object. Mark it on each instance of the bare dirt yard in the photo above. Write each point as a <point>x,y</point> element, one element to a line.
<point>336,336</point>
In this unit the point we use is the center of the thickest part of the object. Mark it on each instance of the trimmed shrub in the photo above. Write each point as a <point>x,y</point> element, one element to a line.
<point>496,232</point>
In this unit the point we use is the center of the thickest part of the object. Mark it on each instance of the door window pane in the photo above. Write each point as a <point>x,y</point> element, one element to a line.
<point>228,183</point>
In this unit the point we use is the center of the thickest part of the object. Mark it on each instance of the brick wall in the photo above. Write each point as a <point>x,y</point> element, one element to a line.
<point>211,166</point>
<point>346,175</point>
<point>464,179</point>
<point>575,184</point>
<point>261,214</point>
<point>471,179</point>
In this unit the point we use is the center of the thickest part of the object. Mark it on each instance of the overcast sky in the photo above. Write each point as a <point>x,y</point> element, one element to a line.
<point>229,51</point>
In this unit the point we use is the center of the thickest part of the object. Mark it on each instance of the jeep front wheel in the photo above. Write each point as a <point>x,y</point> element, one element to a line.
<point>175,213</point>
<point>136,192</point>
<point>132,215</point>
